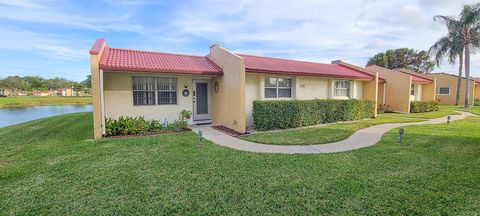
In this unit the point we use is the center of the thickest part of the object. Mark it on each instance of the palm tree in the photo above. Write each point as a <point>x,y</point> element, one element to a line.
<point>449,46</point>
<point>468,28</point>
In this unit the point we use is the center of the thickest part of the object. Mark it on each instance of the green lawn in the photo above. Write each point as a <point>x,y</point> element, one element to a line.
<point>51,166</point>
<point>25,101</point>
<point>340,131</point>
<point>321,134</point>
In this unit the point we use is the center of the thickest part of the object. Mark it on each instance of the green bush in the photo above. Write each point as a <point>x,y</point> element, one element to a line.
<point>281,114</point>
<point>423,106</point>
<point>476,102</point>
<point>126,125</point>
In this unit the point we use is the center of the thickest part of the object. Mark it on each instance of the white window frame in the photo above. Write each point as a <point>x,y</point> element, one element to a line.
<point>438,90</point>
<point>277,87</point>
<point>155,90</point>
<point>412,89</point>
<point>171,81</point>
<point>348,89</point>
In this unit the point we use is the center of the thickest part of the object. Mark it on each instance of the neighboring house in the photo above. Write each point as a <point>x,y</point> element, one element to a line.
<point>23,93</point>
<point>402,86</point>
<point>447,88</point>
<point>217,88</point>
<point>41,93</point>
<point>477,88</point>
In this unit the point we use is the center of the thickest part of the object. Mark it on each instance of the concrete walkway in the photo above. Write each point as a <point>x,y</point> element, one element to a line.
<point>362,138</point>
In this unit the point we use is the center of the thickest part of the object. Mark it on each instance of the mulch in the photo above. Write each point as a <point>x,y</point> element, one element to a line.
<point>147,134</point>
<point>228,131</point>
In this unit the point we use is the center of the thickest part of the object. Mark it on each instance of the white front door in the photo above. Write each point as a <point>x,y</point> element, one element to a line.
<point>201,100</point>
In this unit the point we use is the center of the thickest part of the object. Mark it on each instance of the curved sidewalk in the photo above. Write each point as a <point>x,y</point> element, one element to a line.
<point>362,138</point>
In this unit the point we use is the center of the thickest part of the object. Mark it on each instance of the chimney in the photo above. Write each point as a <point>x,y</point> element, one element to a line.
<point>337,62</point>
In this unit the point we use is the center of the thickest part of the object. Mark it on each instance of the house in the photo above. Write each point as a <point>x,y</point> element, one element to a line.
<point>477,88</point>
<point>218,88</point>
<point>41,93</point>
<point>23,93</point>
<point>446,90</point>
<point>401,87</point>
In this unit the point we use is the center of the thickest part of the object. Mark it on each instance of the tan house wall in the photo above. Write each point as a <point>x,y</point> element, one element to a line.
<point>370,91</point>
<point>381,93</point>
<point>252,92</point>
<point>96,100</point>
<point>429,91</point>
<point>477,91</point>
<point>228,104</point>
<point>119,97</point>
<point>397,89</point>
<point>312,88</point>
<point>445,80</point>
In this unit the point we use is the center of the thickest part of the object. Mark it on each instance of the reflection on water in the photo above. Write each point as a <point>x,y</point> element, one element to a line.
<point>12,116</point>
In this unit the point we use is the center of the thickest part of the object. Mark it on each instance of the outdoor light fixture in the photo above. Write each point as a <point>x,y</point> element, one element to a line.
<point>448,119</point>
<point>185,91</point>
<point>200,135</point>
<point>401,131</point>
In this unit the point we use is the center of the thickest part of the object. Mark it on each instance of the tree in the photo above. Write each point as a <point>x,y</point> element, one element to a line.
<point>450,46</point>
<point>58,83</point>
<point>36,82</point>
<point>88,82</point>
<point>15,83</point>
<point>410,59</point>
<point>468,27</point>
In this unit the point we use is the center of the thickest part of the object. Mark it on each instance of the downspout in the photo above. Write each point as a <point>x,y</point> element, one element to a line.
<point>102,103</point>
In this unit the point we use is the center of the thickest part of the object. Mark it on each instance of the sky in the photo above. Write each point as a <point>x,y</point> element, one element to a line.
<point>52,38</point>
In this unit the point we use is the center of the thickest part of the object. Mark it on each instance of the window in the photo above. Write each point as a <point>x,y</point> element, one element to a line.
<point>152,91</point>
<point>143,90</point>
<point>341,88</point>
<point>167,91</point>
<point>412,90</point>
<point>443,90</point>
<point>278,87</point>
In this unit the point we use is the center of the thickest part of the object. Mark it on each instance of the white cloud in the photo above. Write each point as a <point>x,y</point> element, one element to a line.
<point>350,30</point>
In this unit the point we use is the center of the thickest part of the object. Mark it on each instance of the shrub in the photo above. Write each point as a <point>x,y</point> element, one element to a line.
<point>126,125</point>
<point>423,106</point>
<point>280,114</point>
<point>384,108</point>
<point>477,102</point>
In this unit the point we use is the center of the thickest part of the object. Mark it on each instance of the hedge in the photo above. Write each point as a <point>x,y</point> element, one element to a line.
<point>281,114</point>
<point>423,106</point>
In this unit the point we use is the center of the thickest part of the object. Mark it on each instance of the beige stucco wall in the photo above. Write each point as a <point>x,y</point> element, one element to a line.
<point>428,91</point>
<point>252,92</point>
<point>119,97</point>
<point>96,96</point>
<point>445,80</point>
<point>381,95</point>
<point>370,91</point>
<point>397,90</point>
<point>477,91</point>
<point>303,88</point>
<point>228,104</point>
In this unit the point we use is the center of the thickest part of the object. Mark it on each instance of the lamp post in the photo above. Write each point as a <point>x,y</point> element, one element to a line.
<point>401,131</point>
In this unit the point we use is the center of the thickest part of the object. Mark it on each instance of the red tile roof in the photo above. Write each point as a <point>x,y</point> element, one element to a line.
<point>259,64</point>
<point>115,59</point>
<point>415,78</point>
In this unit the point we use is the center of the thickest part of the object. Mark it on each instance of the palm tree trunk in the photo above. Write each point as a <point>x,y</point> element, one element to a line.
<point>467,75</point>
<point>459,81</point>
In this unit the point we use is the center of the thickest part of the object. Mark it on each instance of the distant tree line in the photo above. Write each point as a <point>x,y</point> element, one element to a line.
<point>37,83</point>
<point>410,59</point>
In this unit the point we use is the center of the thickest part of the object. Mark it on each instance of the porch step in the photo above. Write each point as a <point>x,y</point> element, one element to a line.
<point>200,122</point>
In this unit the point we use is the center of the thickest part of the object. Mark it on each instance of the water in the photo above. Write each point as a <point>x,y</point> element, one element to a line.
<point>11,116</point>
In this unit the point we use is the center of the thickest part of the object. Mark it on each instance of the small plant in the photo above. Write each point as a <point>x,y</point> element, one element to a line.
<point>476,102</point>
<point>126,125</point>
<point>384,108</point>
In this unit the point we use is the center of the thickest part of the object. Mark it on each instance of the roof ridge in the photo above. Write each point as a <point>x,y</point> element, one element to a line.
<point>283,59</point>
<point>157,52</point>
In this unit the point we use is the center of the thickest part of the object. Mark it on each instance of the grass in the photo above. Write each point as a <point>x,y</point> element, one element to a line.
<point>340,131</point>
<point>25,101</point>
<point>51,166</point>
<point>321,134</point>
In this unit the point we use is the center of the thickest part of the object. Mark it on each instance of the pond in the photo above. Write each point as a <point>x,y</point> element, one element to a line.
<point>11,116</point>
